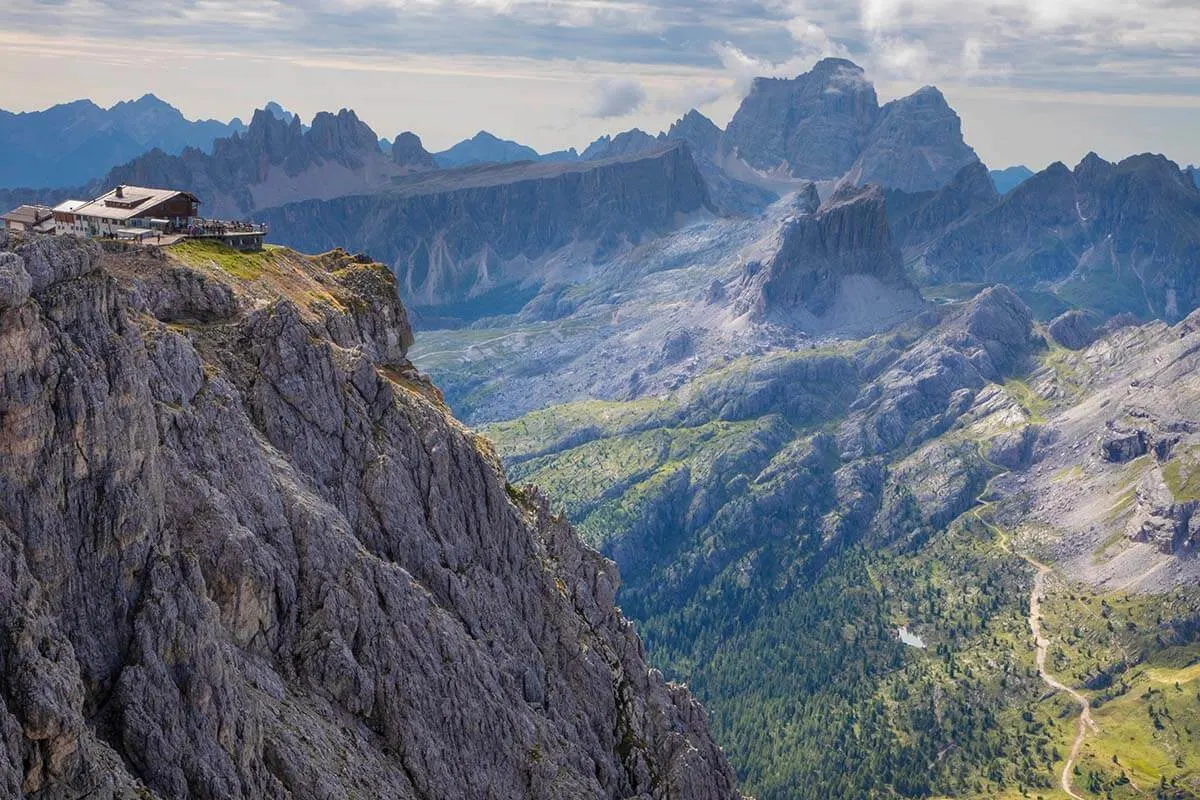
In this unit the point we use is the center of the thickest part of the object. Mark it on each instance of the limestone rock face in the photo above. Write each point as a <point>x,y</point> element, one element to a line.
<point>827,125</point>
<point>631,142</point>
<point>1073,330</point>
<point>1111,238</point>
<point>249,554</point>
<point>827,255</point>
<point>407,151</point>
<point>917,145</point>
<point>933,384</point>
<point>466,244</point>
<point>1159,519</point>
<point>812,127</point>
<point>919,218</point>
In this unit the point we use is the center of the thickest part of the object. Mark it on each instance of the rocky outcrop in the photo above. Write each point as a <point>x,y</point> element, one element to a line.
<point>929,387</point>
<point>1160,520</point>
<point>1073,330</point>
<point>248,554</point>
<point>407,151</point>
<point>706,141</point>
<point>629,143</point>
<point>829,259</point>
<point>466,244</point>
<point>916,146</point>
<point>1120,446</point>
<point>920,218</point>
<point>1110,238</point>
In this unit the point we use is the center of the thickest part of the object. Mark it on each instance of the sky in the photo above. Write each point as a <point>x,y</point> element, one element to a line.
<point>1035,81</point>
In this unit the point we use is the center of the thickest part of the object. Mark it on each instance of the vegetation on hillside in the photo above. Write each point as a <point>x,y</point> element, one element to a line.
<point>726,523</point>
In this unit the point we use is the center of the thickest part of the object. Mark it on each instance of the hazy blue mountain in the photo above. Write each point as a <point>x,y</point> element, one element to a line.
<point>630,142</point>
<point>73,143</point>
<point>484,148</point>
<point>1195,173</point>
<point>560,156</point>
<point>1008,179</point>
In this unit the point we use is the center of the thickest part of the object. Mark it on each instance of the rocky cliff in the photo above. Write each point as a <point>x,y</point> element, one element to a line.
<point>477,242</point>
<point>834,265</point>
<point>917,145</point>
<point>1113,238</point>
<point>827,125</point>
<point>274,161</point>
<point>812,127</point>
<point>249,554</point>
<point>705,139</point>
<point>919,218</point>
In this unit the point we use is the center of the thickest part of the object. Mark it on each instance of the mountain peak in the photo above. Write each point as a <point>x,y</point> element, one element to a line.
<point>930,95</point>
<point>408,151</point>
<point>834,64</point>
<point>279,112</point>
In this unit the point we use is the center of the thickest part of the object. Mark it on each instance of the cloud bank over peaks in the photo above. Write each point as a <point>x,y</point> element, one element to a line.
<point>617,97</point>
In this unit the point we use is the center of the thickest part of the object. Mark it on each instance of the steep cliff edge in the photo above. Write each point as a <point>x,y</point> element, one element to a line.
<point>248,553</point>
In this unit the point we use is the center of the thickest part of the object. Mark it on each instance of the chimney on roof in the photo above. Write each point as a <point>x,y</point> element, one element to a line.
<point>120,192</point>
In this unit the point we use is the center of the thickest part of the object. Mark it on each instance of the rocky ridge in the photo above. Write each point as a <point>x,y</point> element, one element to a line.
<point>484,241</point>
<point>250,554</point>
<point>273,162</point>
<point>1111,238</point>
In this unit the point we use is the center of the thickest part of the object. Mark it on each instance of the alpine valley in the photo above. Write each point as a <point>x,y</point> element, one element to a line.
<point>897,458</point>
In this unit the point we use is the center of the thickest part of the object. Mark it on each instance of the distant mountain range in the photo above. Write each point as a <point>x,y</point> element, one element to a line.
<point>1111,238</point>
<point>74,143</point>
<point>1006,180</point>
<point>1072,239</point>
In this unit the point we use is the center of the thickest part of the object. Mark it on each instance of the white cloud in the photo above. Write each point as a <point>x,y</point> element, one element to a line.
<point>617,97</point>
<point>972,56</point>
<point>813,40</point>
<point>903,59</point>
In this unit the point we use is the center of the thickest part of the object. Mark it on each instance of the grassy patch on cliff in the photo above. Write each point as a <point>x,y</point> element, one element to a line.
<point>1182,475</point>
<point>310,282</point>
<point>242,265</point>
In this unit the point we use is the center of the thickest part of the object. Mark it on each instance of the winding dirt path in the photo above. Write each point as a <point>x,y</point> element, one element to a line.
<point>1043,647</point>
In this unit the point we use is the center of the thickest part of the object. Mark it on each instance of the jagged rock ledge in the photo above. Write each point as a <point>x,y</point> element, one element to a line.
<point>248,554</point>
